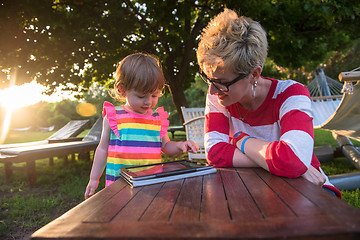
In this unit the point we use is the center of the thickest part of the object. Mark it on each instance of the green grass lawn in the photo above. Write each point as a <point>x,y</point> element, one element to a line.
<point>23,209</point>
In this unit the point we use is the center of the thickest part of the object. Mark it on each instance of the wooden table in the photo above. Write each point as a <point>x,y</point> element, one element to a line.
<point>242,203</point>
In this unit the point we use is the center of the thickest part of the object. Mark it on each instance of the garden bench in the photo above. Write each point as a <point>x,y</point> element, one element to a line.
<point>174,129</point>
<point>66,133</point>
<point>29,154</point>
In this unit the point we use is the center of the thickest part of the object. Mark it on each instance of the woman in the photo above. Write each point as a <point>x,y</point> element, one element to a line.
<point>251,120</point>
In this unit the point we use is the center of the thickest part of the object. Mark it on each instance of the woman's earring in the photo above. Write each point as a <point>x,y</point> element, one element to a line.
<point>253,88</point>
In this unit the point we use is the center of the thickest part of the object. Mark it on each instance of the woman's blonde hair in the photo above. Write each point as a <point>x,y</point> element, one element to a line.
<point>140,72</point>
<point>238,43</point>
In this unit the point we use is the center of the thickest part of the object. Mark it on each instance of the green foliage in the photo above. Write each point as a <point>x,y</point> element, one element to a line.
<point>196,94</point>
<point>97,95</point>
<point>352,197</point>
<point>271,70</point>
<point>80,42</point>
<point>303,31</point>
<point>24,209</point>
<point>324,137</point>
<point>28,136</point>
<point>168,105</point>
<point>59,120</point>
<point>338,166</point>
<point>343,60</point>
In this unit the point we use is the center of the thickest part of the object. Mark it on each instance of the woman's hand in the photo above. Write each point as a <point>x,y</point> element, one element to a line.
<point>314,176</point>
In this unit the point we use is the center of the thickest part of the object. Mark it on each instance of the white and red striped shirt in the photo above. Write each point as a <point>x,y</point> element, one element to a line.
<point>284,119</point>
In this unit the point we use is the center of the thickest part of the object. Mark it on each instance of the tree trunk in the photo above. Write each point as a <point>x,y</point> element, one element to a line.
<point>178,97</point>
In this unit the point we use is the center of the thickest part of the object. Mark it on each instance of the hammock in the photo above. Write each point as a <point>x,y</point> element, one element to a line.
<point>326,96</point>
<point>340,115</point>
<point>346,118</point>
<point>333,112</point>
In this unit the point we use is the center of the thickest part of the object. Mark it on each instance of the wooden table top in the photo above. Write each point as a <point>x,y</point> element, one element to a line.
<point>241,203</point>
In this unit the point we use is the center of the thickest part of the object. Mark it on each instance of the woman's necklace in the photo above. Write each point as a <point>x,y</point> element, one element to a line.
<point>242,118</point>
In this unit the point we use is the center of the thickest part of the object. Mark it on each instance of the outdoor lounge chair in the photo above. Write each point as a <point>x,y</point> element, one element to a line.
<point>194,127</point>
<point>67,133</point>
<point>30,154</point>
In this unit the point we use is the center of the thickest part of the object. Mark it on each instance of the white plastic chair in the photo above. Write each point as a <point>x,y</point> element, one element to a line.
<point>194,127</point>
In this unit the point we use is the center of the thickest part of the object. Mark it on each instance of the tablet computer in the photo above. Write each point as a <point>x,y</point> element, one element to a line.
<point>162,169</point>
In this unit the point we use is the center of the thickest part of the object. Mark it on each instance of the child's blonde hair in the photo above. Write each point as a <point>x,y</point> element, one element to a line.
<point>232,41</point>
<point>140,72</point>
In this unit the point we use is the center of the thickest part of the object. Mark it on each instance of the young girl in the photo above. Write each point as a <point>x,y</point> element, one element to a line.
<point>134,134</point>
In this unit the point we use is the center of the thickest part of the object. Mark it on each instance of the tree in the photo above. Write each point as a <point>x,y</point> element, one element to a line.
<point>304,32</point>
<point>80,41</point>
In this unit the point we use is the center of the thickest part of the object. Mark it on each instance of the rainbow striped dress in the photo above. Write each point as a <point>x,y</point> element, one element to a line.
<point>135,139</point>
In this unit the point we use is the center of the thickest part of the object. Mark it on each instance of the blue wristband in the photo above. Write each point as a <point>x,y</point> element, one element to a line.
<point>243,144</point>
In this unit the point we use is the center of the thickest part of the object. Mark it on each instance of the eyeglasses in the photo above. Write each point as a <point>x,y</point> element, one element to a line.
<point>224,87</point>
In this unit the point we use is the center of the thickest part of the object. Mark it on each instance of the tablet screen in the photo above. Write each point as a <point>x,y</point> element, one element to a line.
<point>163,168</point>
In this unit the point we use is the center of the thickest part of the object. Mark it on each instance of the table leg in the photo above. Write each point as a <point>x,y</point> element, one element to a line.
<point>66,160</point>
<point>51,161</point>
<point>31,172</point>
<point>8,170</point>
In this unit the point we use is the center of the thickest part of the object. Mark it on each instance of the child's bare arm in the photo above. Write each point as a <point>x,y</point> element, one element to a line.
<point>100,159</point>
<point>171,147</point>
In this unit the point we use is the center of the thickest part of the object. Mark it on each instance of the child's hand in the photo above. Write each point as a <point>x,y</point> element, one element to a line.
<point>91,187</point>
<point>189,146</point>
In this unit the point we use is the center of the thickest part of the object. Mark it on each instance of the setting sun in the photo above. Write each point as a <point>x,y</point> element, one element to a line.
<point>20,96</point>
<point>16,97</point>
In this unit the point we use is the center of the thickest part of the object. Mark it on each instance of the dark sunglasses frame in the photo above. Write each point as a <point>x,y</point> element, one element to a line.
<point>226,84</point>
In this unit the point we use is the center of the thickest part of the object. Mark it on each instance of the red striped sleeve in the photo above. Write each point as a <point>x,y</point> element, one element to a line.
<point>221,152</point>
<point>282,161</point>
<point>295,89</point>
<point>297,120</point>
<point>221,155</point>
<point>215,121</point>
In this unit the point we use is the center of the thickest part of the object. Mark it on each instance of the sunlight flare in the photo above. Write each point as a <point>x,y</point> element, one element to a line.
<point>16,97</point>
<point>86,109</point>
<point>5,126</point>
<point>7,118</point>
